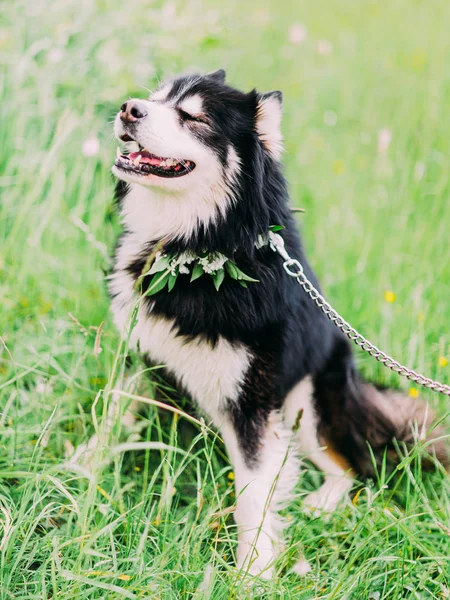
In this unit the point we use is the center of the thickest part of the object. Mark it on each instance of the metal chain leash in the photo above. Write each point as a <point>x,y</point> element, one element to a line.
<point>294,269</point>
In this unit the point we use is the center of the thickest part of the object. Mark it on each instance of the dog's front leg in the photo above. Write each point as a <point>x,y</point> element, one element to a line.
<point>266,470</point>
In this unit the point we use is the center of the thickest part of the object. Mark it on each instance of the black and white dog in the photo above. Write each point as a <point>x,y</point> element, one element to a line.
<point>204,183</point>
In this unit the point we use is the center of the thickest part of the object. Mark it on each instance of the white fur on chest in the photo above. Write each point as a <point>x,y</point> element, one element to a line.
<point>152,216</point>
<point>212,375</point>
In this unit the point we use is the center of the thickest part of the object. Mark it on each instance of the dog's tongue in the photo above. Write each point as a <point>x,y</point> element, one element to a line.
<point>146,157</point>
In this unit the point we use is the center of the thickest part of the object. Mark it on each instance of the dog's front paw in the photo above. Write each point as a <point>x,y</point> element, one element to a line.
<point>85,453</point>
<point>317,503</point>
<point>254,563</point>
<point>328,497</point>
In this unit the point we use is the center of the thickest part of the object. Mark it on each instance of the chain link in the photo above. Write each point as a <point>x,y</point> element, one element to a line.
<point>294,269</point>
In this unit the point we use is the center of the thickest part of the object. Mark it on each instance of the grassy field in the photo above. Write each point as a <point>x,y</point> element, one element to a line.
<point>367,90</point>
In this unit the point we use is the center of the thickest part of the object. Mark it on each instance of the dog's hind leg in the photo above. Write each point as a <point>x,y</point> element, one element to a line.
<point>300,417</point>
<point>266,471</point>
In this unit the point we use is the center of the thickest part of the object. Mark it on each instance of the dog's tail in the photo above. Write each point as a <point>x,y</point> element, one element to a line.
<point>363,421</point>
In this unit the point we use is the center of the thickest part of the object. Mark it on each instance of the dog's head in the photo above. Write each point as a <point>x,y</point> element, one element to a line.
<point>196,133</point>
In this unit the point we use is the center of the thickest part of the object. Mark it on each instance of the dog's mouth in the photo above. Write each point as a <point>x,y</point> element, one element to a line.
<point>145,163</point>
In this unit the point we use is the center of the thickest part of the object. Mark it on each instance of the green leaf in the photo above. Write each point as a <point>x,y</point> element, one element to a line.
<point>158,283</point>
<point>172,281</point>
<point>235,272</point>
<point>243,283</point>
<point>242,275</point>
<point>159,265</point>
<point>275,228</point>
<point>218,278</point>
<point>197,271</point>
<point>232,269</point>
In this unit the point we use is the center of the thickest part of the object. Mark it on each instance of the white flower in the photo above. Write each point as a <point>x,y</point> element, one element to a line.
<point>419,170</point>
<point>218,262</point>
<point>330,118</point>
<point>324,47</point>
<point>42,386</point>
<point>91,146</point>
<point>297,33</point>
<point>213,262</point>
<point>186,258</point>
<point>203,261</point>
<point>384,140</point>
<point>179,261</point>
<point>55,55</point>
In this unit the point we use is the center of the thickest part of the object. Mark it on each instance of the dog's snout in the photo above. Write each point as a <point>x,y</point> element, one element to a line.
<point>132,111</point>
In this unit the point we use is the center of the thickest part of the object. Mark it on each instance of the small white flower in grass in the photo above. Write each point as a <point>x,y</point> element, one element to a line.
<point>42,386</point>
<point>91,146</point>
<point>297,33</point>
<point>330,118</point>
<point>384,140</point>
<point>302,567</point>
<point>419,170</point>
<point>55,55</point>
<point>324,47</point>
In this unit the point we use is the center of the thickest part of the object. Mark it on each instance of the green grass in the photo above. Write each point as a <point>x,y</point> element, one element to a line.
<point>152,522</point>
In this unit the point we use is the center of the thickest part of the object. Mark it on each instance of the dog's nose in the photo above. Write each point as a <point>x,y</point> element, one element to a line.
<point>132,111</point>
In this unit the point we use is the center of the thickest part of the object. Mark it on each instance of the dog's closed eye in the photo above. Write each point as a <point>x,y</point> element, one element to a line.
<point>190,117</point>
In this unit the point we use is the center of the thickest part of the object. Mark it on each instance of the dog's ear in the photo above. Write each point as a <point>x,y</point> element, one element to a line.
<point>268,122</point>
<point>218,75</point>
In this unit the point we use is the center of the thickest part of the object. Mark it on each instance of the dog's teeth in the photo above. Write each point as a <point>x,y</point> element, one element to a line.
<point>118,153</point>
<point>137,160</point>
<point>164,163</point>
<point>170,162</point>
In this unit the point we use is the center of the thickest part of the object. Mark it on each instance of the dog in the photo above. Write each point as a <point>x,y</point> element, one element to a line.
<point>199,188</point>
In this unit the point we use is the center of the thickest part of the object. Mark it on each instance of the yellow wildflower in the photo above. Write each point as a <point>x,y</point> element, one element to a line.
<point>389,296</point>
<point>413,392</point>
<point>338,167</point>
<point>443,362</point>
<point>356,496</point>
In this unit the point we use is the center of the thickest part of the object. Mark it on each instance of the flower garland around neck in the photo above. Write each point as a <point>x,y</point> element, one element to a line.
<point>167,267</point>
